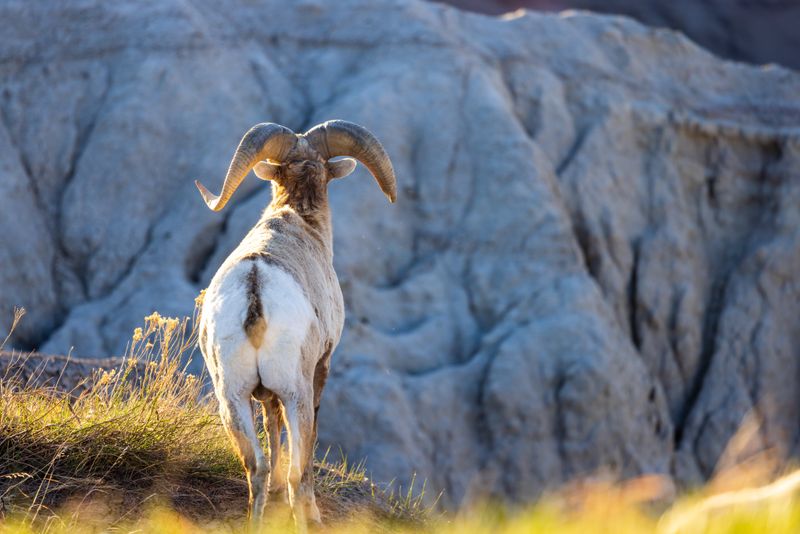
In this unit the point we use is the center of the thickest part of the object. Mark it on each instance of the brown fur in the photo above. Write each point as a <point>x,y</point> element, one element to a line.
<point>302,185</point>
<point>321,376</point>
<point>254,323</point>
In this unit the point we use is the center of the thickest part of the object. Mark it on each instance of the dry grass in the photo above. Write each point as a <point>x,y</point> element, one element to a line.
<point>140,449</point>
<point>143,434</point>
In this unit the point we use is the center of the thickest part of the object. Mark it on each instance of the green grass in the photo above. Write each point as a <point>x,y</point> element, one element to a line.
<point>141,448</point>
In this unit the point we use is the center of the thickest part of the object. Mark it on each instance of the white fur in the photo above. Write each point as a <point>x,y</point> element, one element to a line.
<point>286,369</point>
<point>239,366</point>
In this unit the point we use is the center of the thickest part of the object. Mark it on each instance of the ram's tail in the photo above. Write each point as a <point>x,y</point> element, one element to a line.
<point>254,323</point>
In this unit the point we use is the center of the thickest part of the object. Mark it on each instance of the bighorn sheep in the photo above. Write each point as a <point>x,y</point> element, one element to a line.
<point>274,313</point>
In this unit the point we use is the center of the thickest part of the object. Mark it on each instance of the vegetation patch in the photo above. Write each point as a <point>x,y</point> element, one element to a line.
<point>145,436</point>
<point>139,447</point>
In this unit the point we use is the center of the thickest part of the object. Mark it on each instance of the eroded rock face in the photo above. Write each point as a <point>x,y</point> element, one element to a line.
<point>594,261</point>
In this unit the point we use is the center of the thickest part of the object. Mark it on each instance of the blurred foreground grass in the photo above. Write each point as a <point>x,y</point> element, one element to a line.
<point>140,448</point>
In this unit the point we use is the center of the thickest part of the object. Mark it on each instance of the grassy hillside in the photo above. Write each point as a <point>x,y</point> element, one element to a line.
<point>140,437</point>
<point>140,448</point>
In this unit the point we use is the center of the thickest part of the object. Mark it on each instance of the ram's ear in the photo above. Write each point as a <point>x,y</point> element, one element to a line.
<point>341,168</point>
<point>266,170</point>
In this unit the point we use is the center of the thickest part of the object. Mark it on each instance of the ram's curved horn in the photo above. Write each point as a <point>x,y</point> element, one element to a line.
<point>263,141</point>
<point>342,138</point>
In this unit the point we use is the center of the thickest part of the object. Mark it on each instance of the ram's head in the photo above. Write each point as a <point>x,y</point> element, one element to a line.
<point>303,161</point>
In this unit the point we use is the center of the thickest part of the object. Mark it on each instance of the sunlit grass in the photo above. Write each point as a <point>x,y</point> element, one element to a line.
<point>779,515</point>
<point>140,448</point>
<point>145,428</point>
<point>139,440</point>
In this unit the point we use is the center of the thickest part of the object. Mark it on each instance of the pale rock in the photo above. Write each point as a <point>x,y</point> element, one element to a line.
<point>593,265</point>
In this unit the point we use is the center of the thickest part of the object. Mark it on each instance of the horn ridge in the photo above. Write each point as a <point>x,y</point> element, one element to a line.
<point>343,138</point>
<point>266,140</point>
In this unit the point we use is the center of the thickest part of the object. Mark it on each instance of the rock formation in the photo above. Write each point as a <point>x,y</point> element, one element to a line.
<point>593,263</point>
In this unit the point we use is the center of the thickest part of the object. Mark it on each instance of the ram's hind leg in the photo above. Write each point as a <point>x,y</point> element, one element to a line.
<point>307,482</point>
<point>300,420</point>
<point>273,424</point>
<point>237,417</point>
